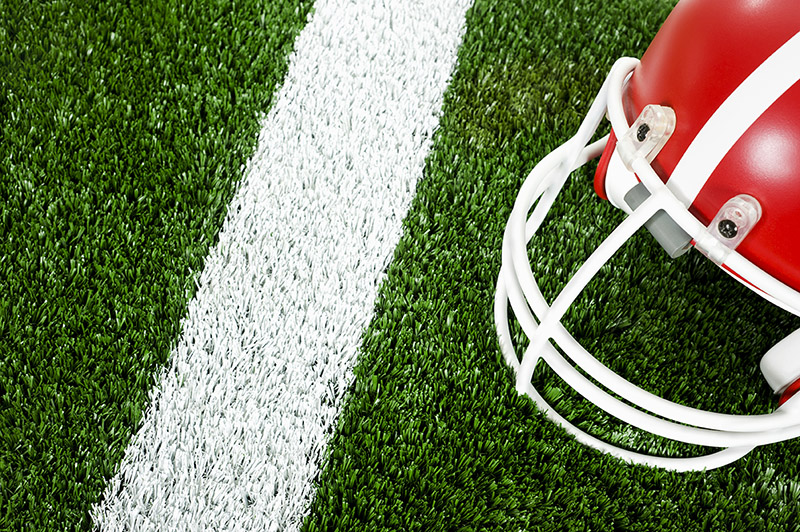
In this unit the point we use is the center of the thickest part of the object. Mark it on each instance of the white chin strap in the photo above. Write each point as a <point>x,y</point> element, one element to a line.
<point>736,435</point>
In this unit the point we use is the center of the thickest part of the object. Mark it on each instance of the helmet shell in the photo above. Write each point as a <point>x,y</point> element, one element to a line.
<point>702,53</point>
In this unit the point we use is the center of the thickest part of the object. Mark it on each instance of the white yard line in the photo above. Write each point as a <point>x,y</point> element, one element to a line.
<point>236,431</point>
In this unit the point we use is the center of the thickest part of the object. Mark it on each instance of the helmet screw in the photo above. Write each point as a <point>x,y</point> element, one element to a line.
<point>642,132</point>
<point>727,228</point>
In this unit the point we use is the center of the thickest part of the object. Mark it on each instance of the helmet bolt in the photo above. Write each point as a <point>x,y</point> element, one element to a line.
<point>642,132</point>
<point>727,228</point>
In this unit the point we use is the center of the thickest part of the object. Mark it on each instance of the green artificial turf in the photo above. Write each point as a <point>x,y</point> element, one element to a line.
<point>124,127</point>
<point>433,435</point>
<point>123,130</point>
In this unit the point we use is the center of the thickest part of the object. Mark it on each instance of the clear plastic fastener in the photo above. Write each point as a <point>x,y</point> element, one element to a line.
<point>735,220</point>
<point>730,226</point>
<point>648,134</point>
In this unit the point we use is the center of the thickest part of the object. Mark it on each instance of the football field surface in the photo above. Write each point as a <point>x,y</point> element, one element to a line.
<point>134,134</point>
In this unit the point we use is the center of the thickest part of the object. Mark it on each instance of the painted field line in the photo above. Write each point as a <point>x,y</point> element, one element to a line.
<point>235,433</point>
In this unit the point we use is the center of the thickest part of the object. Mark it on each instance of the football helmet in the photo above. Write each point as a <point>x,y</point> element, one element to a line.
<point>703,151</point>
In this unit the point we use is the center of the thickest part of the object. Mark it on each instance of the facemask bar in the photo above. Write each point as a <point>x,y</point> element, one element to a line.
<point>517,285</point>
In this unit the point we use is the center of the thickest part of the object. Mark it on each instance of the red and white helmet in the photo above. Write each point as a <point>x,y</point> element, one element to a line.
<point>704,151</point>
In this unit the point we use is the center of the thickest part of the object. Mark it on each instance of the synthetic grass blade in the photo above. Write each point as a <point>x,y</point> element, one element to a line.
<point>433,436</point>
<point>240,421</point>
<point>124,128</point>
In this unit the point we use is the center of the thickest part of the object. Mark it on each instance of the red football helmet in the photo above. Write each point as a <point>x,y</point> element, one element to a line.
<point>704,151</point>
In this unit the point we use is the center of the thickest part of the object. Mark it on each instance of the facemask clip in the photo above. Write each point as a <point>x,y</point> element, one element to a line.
<point>730,226</point>
<point>648,134</point>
